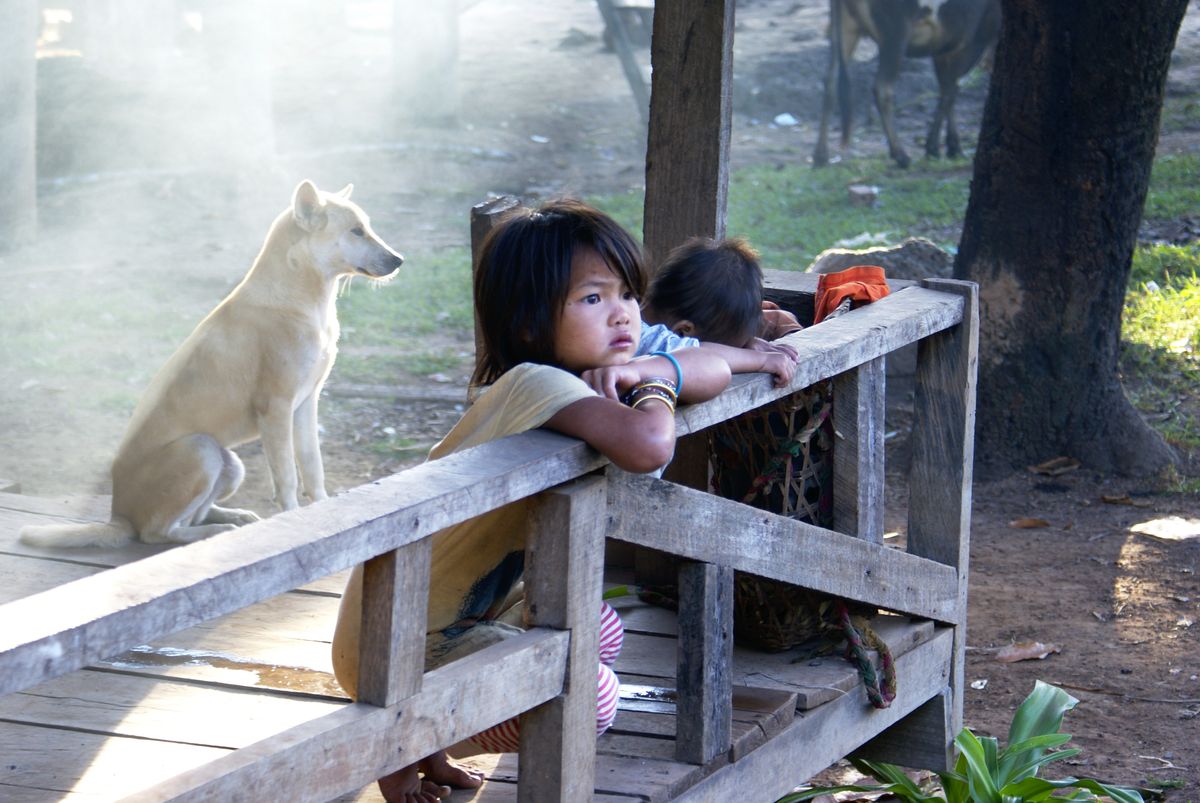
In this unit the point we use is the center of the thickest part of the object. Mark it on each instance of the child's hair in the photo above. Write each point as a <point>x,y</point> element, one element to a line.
<point>717,285</point>
<point>524,272</point>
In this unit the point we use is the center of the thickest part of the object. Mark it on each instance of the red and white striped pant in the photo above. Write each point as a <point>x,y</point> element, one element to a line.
<point>505,737</point>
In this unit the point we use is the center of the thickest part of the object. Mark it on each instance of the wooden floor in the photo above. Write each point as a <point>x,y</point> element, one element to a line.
<point>143,716</point>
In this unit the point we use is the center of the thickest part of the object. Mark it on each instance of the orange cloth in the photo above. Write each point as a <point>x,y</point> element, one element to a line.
<point>862,284</point>
<point>776,322</point>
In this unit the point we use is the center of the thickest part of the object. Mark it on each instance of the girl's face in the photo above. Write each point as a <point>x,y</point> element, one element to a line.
<point>600,323</point>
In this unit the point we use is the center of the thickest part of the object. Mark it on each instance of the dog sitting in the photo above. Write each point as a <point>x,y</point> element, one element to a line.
<point>252,368</point>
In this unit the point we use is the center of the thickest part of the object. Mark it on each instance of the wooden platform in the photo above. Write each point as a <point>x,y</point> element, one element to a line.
<point>136,719</point>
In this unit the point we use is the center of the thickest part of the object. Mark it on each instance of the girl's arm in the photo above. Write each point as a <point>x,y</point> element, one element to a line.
<point>705,374</point>
<point>640,440</point>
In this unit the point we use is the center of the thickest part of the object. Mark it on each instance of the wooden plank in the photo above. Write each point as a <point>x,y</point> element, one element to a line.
<point>687,152</point>
<point>814,681</point>
<point>919,740</point>
<point>618,778</point>
<point>395,601</point>
<point>343,751</point>
<point>17,511</point>
<point>187,713</point>
<point>833,347</point>
<point>68,627</point>
<point>824,735</point>
<point>565,559</point>
<point>720,531</point>
<point>943,456</point>
<point>858,469</point>
<point>704,657</point>
<point>44,764</point>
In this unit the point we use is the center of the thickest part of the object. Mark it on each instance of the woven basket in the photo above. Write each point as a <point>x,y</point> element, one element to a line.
<point>778,458</point>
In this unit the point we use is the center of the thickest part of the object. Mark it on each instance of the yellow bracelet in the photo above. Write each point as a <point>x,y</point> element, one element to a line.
<point>654,397</point>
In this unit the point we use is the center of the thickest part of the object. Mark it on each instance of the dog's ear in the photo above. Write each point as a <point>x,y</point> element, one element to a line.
<point>344,192</point>
<point>307,209</point>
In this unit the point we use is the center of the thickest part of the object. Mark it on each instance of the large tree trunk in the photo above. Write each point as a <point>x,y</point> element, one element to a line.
<point>1061,173</point>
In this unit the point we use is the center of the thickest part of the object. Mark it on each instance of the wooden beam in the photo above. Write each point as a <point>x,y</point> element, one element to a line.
<point>615,26</point>
<point>18,124</point>
<point>564,582</point>
<point>346,750</point>
<point>858,469</point>
<point>943,443</point>
<point>708,528</point>
<point>705,702</point>
<point>66,628</point>
<point>392,647</point>
<point>687,153</point>
<point>922,740</point>
<point>833,347</point>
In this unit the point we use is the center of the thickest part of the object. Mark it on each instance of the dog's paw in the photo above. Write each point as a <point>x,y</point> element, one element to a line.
<point>230,515</point>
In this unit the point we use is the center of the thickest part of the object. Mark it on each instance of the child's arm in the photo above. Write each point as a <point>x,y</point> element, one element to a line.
<point>777,362</point>
<point>639,439</point>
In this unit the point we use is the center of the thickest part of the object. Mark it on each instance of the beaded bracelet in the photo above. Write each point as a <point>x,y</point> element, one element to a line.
<point>653,387</point>
<point>653,396</point>
<point>678,371</point>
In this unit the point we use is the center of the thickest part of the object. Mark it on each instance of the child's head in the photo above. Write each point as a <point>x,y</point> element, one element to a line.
<point>524,276</point>
<point>711,290</point>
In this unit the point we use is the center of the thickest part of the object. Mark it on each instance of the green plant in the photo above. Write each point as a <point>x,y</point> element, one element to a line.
<point>985,773</point>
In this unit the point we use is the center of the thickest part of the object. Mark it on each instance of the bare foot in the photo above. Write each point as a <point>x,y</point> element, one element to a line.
<point>439,769</point>
<point>405,786</point>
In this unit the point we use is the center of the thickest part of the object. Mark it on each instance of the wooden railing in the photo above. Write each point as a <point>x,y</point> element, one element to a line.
<point>549,672</point>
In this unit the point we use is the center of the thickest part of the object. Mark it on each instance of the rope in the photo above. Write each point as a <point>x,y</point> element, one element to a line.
<point>857,645</point>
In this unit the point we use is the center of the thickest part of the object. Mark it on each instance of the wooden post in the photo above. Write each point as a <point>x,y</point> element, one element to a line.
<point>939,507</point>
<point>425,61</point>
<point>687,182</point>
<point>18,124</point>
<point>624,48</point>
<point>858,469</point>
<point>484,217</point>
<point>704,721</point>
<point>687,154</point>
<point>564,582</point>
<point>391,659</point>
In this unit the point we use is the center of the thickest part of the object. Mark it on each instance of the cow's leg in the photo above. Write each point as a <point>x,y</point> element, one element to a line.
<point>946,69</point>
<point>891,54</point>
<point>843,38</point>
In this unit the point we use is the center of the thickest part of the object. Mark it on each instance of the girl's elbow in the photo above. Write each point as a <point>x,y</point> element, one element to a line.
<point>654,451</point>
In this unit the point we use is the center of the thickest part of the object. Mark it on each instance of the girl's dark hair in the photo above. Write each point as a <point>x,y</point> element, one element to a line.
<point>717,285</point>
<point>523,274</point>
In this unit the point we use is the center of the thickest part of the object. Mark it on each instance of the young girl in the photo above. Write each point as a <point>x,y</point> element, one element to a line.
<point>557,292</point>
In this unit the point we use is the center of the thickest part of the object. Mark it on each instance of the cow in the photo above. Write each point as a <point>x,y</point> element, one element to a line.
<point>954,33</point>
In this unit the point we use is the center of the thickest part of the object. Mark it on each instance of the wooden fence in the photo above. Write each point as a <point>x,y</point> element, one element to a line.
<point>549,672</point>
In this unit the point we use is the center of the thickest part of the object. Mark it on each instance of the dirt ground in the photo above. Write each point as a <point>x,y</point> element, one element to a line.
<point>127,220</point>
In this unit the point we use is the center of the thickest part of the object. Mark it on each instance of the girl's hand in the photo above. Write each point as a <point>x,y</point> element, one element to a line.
<point>612,381</point>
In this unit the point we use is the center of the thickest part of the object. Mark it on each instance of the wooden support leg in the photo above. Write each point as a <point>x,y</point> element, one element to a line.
<point>563,583</point>
<point>858,469</point>
<point>919,740</point>
<point>704,720</point>
<point>939,508</point>
<point>391,659</point>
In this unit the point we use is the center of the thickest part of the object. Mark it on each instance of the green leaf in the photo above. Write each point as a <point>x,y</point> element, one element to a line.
<point>1041,789</point>
<point>1031,769</point>
<point>1040,714</point>
<point>954,784</point>
<point>895,789</point>
<point>979,777</point>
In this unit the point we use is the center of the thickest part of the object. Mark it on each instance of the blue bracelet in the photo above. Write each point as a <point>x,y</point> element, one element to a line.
<point>678,370</point>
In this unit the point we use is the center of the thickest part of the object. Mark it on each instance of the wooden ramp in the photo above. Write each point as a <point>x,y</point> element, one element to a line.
<point>139,718</point>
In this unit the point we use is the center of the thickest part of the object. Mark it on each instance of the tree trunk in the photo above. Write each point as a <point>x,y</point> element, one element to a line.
<point>1061,174</point>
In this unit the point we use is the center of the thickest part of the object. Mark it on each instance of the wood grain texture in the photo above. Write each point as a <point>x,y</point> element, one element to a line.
<point>858,454</point>
<point>705,648</point>
<point>392,645</point>
<point>707,528</point>
<point>691,112</point>
<point>565,559</point>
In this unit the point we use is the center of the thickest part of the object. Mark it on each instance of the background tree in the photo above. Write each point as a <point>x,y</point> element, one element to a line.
<point>1061,173</point>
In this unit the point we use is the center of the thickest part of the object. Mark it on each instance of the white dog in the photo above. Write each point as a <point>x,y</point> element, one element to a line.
<point>253,367</point>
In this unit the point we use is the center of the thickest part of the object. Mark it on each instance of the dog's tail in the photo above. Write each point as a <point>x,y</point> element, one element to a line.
<point>114,533</point>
